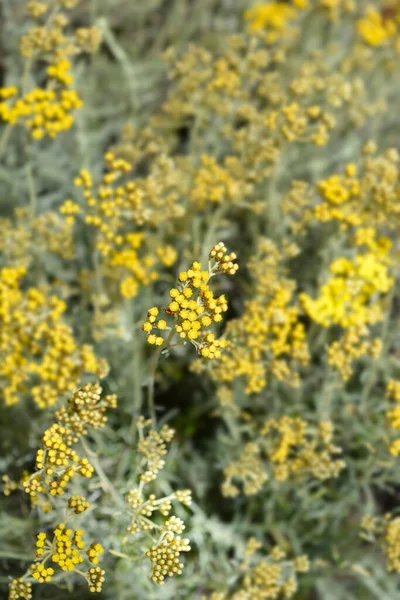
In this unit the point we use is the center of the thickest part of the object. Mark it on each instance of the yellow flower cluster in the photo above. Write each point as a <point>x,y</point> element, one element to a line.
<point>47,110</point>
<point>272,17</point>
<point>41,573</point>
<point>347,298</point>
<point>248,470</point>
<point>194,306</point>
<point>164,554</point>
<point>274,576</point>
<point>44,112</point>
<point>50,40</point>
<point>78,504</point>
<point>261,107</point>
<point>67,550</point>
<point>56,461</point>
<point>115,209</point>
<point>393,390</point>
<point>218,184</point>
<point>392,543</point>
<point>352,298</point>
<point>351,346</point>
<point>289,448</point>
<point>298,449</point>
<point>24,236</point>
<point>375,29</point>
<point>386,532</point>
<point>364,196</point>
<point>19,590</point>
<point>269,336</point>
<point>39,356</point>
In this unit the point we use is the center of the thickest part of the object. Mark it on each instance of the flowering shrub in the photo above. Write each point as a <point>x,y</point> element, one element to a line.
<point>199,306</point>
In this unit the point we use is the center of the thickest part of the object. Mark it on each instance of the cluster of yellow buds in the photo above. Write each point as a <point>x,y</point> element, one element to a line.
<point>66,550</point>
<point>165,556</point>
<point>287,447</point>
<point>346,299</point>
<point>115,208</point>
<point>78,504</point>
<point>48,110</point>
<point>38,351</point>
<point>43,111</point>
<point>194,306</point>
<point>224,260</point>
<point>385,531</point>
<point>141,506</point>
<point>57,462</point>
<point>393,390</point>
<point>19,590</point>
<point>152,447</point>
<point>50,38</point>
<point>272,576</point>
<point>375,29</point>
<point>41,573</point>
<point>96,579</point>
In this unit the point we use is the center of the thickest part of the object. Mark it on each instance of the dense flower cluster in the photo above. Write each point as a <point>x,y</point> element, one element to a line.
<point>164,554</point>
<point>24,236</point>
<point>66,550</point>
<point>39,356</point>
<point>48,110</point>
<point>115,209</point>
<point>286,448</point>
<point>375,29</point>
<point>56,464</point>
<point>259,137</point>
<point>345,299</point>
<point>384,531</point>
<point>269,338</point>
<point>44,112</point>
<point>274,576</point>
<point>353,298</point>
<point>56,461</point>
<point>365,195</point>
<point>194,306</point>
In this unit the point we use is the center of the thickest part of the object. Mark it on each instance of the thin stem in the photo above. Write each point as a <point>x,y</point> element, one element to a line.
<point>123,59</point>
<point>31,188</point>
<point>106,484</point>
<point>4,138</point>
<point>125,556</point>
<point>152,375</point>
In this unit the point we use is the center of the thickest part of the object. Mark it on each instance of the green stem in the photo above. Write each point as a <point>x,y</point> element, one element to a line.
<point>4,138</point>
<point>125,556</point>
<point>106,484</point>
<point>31,188</point>
<point>123,59</point>
<point>152,375</point>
